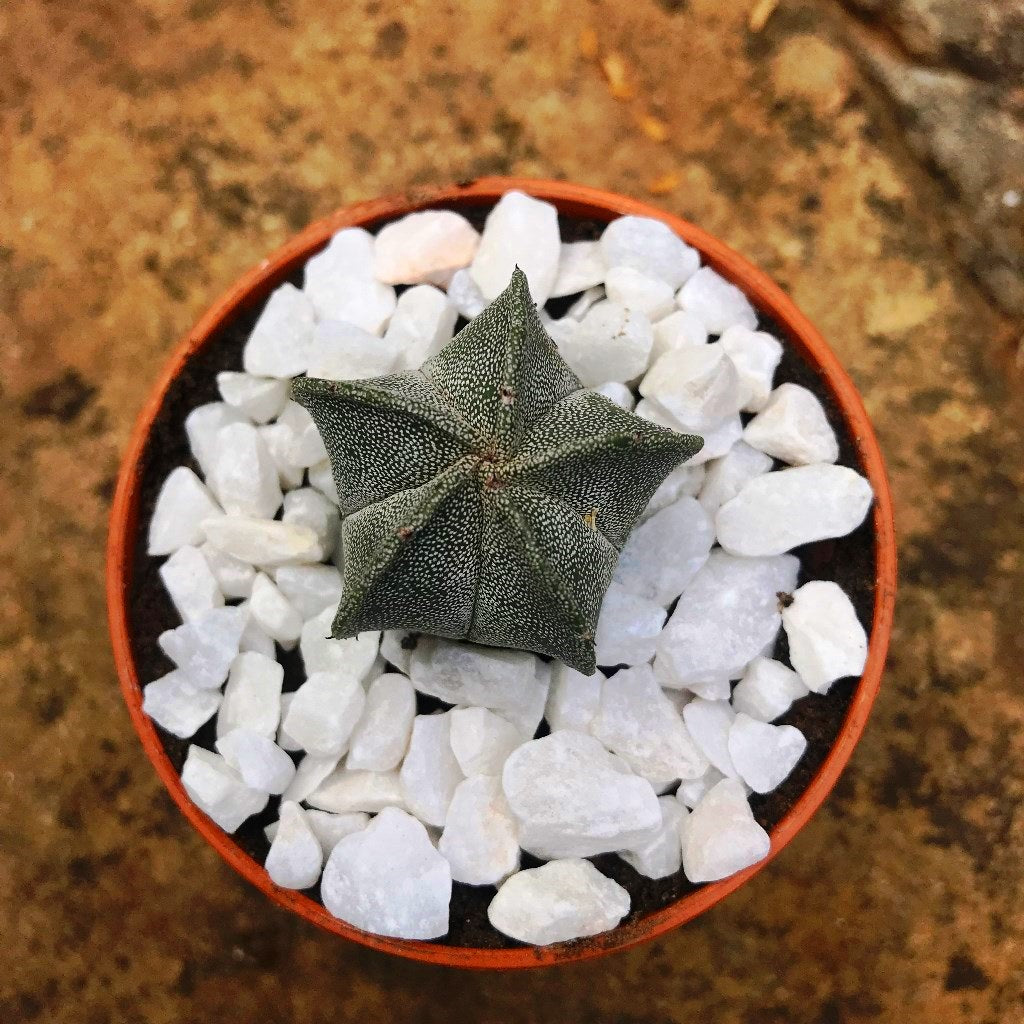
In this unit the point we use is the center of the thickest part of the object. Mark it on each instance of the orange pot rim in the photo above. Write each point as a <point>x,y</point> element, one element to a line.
<point>572,200</point>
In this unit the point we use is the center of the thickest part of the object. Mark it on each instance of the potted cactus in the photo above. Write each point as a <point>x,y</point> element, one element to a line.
<point>480,579</point>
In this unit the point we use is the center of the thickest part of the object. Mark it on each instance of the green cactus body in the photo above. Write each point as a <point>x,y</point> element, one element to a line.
<point>486,496</point>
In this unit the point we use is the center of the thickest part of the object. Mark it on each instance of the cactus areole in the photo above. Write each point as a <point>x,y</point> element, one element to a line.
<point>486,496</point>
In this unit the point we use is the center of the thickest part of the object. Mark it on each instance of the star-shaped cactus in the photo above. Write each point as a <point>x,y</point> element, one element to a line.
<point>486,496</point>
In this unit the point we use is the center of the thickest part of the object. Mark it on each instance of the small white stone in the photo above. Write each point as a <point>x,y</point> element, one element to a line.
<point>767,689</point>
<point>675,331</point>
<point>263,542</point>
<point>480,834</point>
<point>323,713</point>
<point>520,231</point>
<point>684,481</point>
<point>279,440</point>
<point>218,790</point>
<point>717,302</point>
<point>826,640</point>
<point>792,426</point>
<point>580,266</point>
<point>710,689</point>
<point>310,775</point>
<point>727,476</point>
<point>609,343</point>
<point>573,798</point>
<point>381,736</point>
<point>465,295</point>
<point>339,284</point>
<point>202,425</point>
<point>666,551</point>
<point>253,638</point>
<point>347,790</point>
<point>349,253</point>
<point>262,764</point>
<point>295,856</point>
<point>697,385</point>
<point>274,613</point>
<point>509,682</point>
<point>284,741</point>
<point>579,309</point>
<point>244,476</point>
<point>279,343</point>
<point>725,618</point>
<point>649,246</point>
<point>204,649</point>
<point>258,398</point>
<point>764,754</point>
<point>234,577</point>
<point>352,656</point>
<point>427,246</point>
<point>181,506</point>
<point>252,697</point>
<point>423,324</point>
<point>661,856</point>
<point>627,628</point>
<point>756,356</point>
<point>178,706</point>
<point>330,828</point>
<point>638,722</point>
<point>310,589</point>
<point>306,447</point>
<point>308,507</point>
<point>481,741</point>
<point>709,722</point>
<point>781,510</point>
<point>190,583</point>
<point>389,879</point>
<point>430,771</point>
<point>557,902</point>
<point>617,393</point>
<point>719,438</point>
<point>691,791</point>
<point>721,836</point>
<point>574,699</point>
<point>321,476</point>
<point>635,290</point>
<point>396,647</point>
<point>342,351</point>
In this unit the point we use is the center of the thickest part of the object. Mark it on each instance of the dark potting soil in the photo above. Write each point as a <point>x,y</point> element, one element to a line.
<point>849,561</point>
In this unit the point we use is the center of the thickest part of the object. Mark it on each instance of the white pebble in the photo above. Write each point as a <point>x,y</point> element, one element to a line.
<point>482,740</point>
<point>244,476</point>
<point>330,828</point>
<point>279,343</point>
<point>204,649</point>
<point>617,393</point>
<point>645,567</point>
<point>574,699</point>
<point>308,507</point>
<point>218,790</point>
<point>628,628</point>
<point>423,324</point>
<point>274,613</point>
<point>295,856</point>
<point>756,356</point>
<point>709,722</point>
<point>520,231</point>
<point>279,440</point>
<point>579,309</point>
<point>264,542</point>
<point>258,398</point>
<point>342,351</point>
<point>353,656</point>
<point>234,577</point>
<point>717,302</point>
<point>684,481</point>
<point>480,834</point>
<point>649,246</point>
<point>767,690</point>
<point>348,253</point>
<point>262,764</point>
<point>396,647</point>
<point>675,331</point>
<point>609,343</point>
<point>638,722</point>
<point>306,447</point>
<point>178,706</point>
<point>190,583</point>
<point>635,290</point>
<point>727,476</point>
<point>719,439</point>
<point>792,426</point>
<point>465,295</point>
<point>781,510</point>
<point>310,589</point>
<point>346,791</point>
<point>725,618</point>
<point>580,266</point>
<point>826,640</point>
<point>181,506</point>
<point>721,836</point>
<point>381,736</point>
<point>321,476</point>
<point>252,697</point>
<point>691,791</point>
<point>698,385</point>
<point>661,856</point>
<point>284,741</point>
<point>557,902</point>
<point>324,711</point>
<point>764,754</point>
<point>310,775</point>
<point>430,771</point>
<point>202,425</point>
<point>389,879</point>
<point>427,246</point>
<point>573,798</point>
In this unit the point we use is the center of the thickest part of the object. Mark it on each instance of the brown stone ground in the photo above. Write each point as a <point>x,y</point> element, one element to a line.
<point>151,152</point>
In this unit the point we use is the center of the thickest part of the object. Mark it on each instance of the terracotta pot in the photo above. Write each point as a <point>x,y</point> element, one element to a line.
<point>576,201</point>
